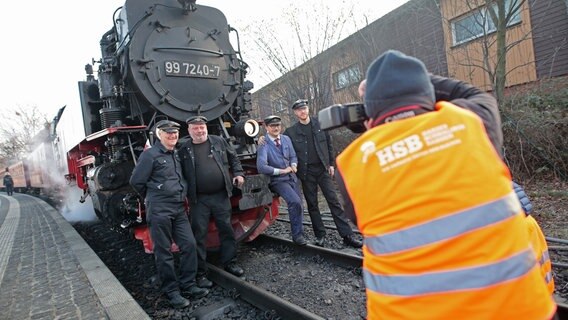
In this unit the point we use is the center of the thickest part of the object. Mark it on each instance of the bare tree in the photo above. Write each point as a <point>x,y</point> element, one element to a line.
<point>17,130</point>
<point>287,45</point>
<point>483,41</point>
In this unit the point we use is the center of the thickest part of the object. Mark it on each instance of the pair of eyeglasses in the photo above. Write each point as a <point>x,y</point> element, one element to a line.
<point>274,125</point>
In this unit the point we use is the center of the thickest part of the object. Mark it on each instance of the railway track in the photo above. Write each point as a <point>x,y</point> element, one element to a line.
<point>326,282</point>
<point>135,269</point>
<point>355,261</point>
<point>558,249</point>
<point>282,281</point>
<point>231,298</point>
<point>258,297</point>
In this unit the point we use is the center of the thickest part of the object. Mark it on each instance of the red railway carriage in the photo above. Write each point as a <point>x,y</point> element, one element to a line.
<point>19,174</point>
<point>44,175</point>
<point>37,173</point>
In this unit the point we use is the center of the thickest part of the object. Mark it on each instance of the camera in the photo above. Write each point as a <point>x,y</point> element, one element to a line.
<point>351,115</point>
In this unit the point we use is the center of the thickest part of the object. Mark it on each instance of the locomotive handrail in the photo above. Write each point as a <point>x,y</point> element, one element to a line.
<point>217,53</point>
<point>107,131</point>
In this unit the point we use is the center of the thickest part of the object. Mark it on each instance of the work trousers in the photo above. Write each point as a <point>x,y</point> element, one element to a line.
<point>167,227</point>
<point>290,192</point>
<point>217,205</point>
<point>318,176</point>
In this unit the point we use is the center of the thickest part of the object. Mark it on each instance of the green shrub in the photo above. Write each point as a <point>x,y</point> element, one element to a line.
<point>535,130</point>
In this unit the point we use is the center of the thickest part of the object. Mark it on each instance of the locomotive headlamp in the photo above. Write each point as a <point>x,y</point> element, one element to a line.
<point>247,128</point>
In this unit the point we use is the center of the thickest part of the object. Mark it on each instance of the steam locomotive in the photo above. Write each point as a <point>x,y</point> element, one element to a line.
<point>165,59</point>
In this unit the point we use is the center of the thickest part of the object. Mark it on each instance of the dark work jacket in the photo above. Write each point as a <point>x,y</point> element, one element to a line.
<point>8,180</point>
<point>225,156</point>
<point>158,178</point>
<point>482,103</point>
<point>322,141</point>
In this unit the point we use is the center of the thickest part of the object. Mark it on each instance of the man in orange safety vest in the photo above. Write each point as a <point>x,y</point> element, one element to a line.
<point>444,234</point>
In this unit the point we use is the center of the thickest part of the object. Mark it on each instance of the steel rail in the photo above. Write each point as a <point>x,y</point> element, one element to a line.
<point>339,258</point>
<point>258,297</point>
<point>551,239</point>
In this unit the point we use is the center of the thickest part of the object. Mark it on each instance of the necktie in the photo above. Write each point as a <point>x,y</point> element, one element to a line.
<point>277,142</point>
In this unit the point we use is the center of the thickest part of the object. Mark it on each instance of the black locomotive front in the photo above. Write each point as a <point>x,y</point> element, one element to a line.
<point>164,59</point>
<point>168,58</point>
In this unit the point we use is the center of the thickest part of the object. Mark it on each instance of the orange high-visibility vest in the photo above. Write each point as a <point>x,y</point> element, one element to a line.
<point>445,236</point>
<point>540,247</point>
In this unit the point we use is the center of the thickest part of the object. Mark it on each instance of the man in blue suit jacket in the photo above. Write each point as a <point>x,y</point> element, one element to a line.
<point>277,159</point>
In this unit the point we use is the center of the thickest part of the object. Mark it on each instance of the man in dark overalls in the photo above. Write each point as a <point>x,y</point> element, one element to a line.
<point>206,161</point>
<point>158,178</point>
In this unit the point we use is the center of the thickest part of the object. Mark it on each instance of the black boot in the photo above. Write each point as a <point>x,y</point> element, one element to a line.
<point>352,241</point>
<point>320,241</point>
<point>234,269</point>
<point>203,282</point>
<point>177,301</point>
<point>194,292</point>
<point>300,240</point>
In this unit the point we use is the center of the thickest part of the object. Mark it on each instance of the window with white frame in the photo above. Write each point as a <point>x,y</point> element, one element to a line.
<point>479,23</point>
<point>346,77</point>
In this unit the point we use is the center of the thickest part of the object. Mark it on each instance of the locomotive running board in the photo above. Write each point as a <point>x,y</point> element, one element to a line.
<point>255,192</point>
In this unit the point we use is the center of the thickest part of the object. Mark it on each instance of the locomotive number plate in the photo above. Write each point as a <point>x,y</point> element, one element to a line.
<point>190,69</point>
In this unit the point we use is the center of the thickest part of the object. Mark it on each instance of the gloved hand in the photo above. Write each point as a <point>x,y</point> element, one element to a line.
<point>523,198</point>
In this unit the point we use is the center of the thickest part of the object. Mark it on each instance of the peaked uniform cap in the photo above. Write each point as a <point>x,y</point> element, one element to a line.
<point>196,119</point>
<point>168,126</point>
<point>272,119</point>
<point>299,103</point>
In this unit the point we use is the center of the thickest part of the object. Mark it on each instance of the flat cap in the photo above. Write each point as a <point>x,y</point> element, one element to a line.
<point>168,126</point>
<point>299,103</point>
<point>196,119</point>
<point>272,120</point>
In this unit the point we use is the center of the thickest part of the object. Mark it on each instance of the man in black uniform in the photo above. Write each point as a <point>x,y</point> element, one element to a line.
<point>158,179</point>
<point>206,161</point>
<point>316,168</point>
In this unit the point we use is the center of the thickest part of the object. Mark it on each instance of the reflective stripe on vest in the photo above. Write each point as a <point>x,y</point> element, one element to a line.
<point>541,249</point>
<point>435,282</point>
<point>548,277</point>
<point>545,259</point>
<point>446,227</point>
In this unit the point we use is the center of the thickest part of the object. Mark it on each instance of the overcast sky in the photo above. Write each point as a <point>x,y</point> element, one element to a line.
<point>46,44</point>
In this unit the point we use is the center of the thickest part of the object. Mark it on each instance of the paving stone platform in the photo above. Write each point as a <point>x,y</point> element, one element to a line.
<point>47,271</point>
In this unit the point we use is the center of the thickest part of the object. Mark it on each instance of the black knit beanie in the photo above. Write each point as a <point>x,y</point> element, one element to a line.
<point>395,80</point>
